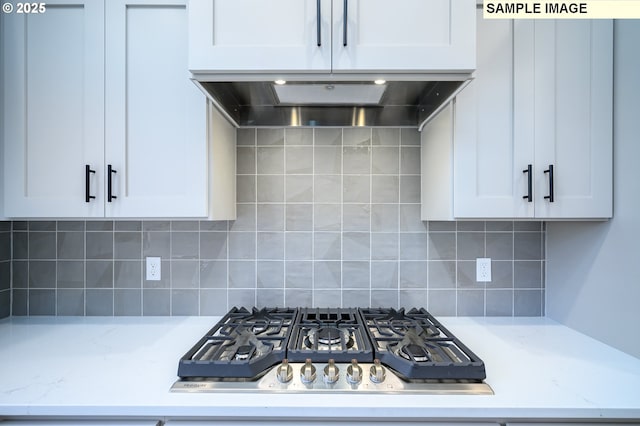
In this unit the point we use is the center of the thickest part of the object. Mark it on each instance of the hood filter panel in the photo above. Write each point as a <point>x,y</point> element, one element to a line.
<point>329,94</point>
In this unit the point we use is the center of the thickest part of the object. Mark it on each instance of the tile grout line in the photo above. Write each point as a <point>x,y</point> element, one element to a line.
<point>84,262</point>
<point>456,265</point>
<point>313,214</point>
<point>284,211</point>
<point>371,218</point>
<point>170,258</point>
<point>342,146</point>
<point>28,272</point>
<point>543,255</point>
<point>113,269</point>
<point>142,265</point>
<point>484,237</point>
<point>284,232</point>
<point>513,269</point>
<point>55,279</point>
<point>399,228</point>
<point>199,269</point>
<point>255,232</point>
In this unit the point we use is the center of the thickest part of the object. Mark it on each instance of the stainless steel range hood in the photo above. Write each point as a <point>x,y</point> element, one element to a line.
<point>405,101</point>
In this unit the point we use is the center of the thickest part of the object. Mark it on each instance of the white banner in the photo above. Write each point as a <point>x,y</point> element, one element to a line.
<point>562,9</point>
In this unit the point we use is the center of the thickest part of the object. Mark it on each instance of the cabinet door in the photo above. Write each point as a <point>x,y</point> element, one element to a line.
<point>573,110</point>
<point>258,35</point>
<point>403,35</point>
<point>155,116</point>
<point>54,109</point>
<point>493,131</point>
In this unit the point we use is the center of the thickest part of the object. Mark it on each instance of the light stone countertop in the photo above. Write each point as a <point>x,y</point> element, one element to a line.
<point>124,367</point>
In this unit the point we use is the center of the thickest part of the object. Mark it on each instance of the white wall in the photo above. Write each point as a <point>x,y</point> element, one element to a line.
<point>593,269</point>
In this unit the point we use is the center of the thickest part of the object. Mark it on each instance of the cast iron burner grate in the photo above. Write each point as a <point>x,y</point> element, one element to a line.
<point>329,333</point>
<point>417,346</point>
<point>244,344</point>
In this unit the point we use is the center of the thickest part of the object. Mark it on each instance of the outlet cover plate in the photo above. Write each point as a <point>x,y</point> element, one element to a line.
<point>483,269</point>
<point>154,268</point>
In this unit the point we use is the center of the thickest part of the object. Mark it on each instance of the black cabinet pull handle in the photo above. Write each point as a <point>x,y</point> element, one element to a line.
<point>87,183</point>
<point>318,23</point>
<point>110,172</point>
<point>550,171</point>
<point>344,24</point>
<point>529,196</point>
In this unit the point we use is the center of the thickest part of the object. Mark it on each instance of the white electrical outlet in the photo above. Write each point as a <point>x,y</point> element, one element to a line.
<point>483,269</point>
<point>154,269</point>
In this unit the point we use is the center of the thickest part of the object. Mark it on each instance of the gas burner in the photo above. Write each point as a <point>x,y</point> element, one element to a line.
<point>324,338</point>
<point>416,346</point>
<point>329,335</point>
<point>243,344</point>
<point>414,352</point>
<point>244,352</point>
<point>396,323</point>
<point>262,321</point>
<point>259,328</point>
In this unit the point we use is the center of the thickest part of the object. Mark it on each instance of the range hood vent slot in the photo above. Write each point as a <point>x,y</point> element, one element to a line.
<point>329,103</point>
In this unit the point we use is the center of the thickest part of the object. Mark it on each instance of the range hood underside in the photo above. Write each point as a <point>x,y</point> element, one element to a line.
<point>256,104</point>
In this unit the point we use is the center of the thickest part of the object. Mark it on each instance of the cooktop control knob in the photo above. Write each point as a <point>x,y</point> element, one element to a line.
<point>331,372</point>
<point>377,372</point>
<point>354,372</point>
<point>284,372</point>
<point>308,372</point>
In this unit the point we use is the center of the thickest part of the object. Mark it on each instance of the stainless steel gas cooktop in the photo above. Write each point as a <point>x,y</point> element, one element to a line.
<point>331,350</point>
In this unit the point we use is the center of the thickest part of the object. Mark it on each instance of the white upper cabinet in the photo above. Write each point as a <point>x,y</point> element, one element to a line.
<point>102,120</point>
<point>536,121</point>
<point>493,125</point>
<point>403,35</point>
<point>574,118</point>
<point>331,35</point>
<point>155,136</point>
<point>255,35</point>
<point>54,109</point>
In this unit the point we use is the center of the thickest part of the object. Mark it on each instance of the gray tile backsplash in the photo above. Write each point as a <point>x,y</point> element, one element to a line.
<point>326,217</point>
<point>5,269</point>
